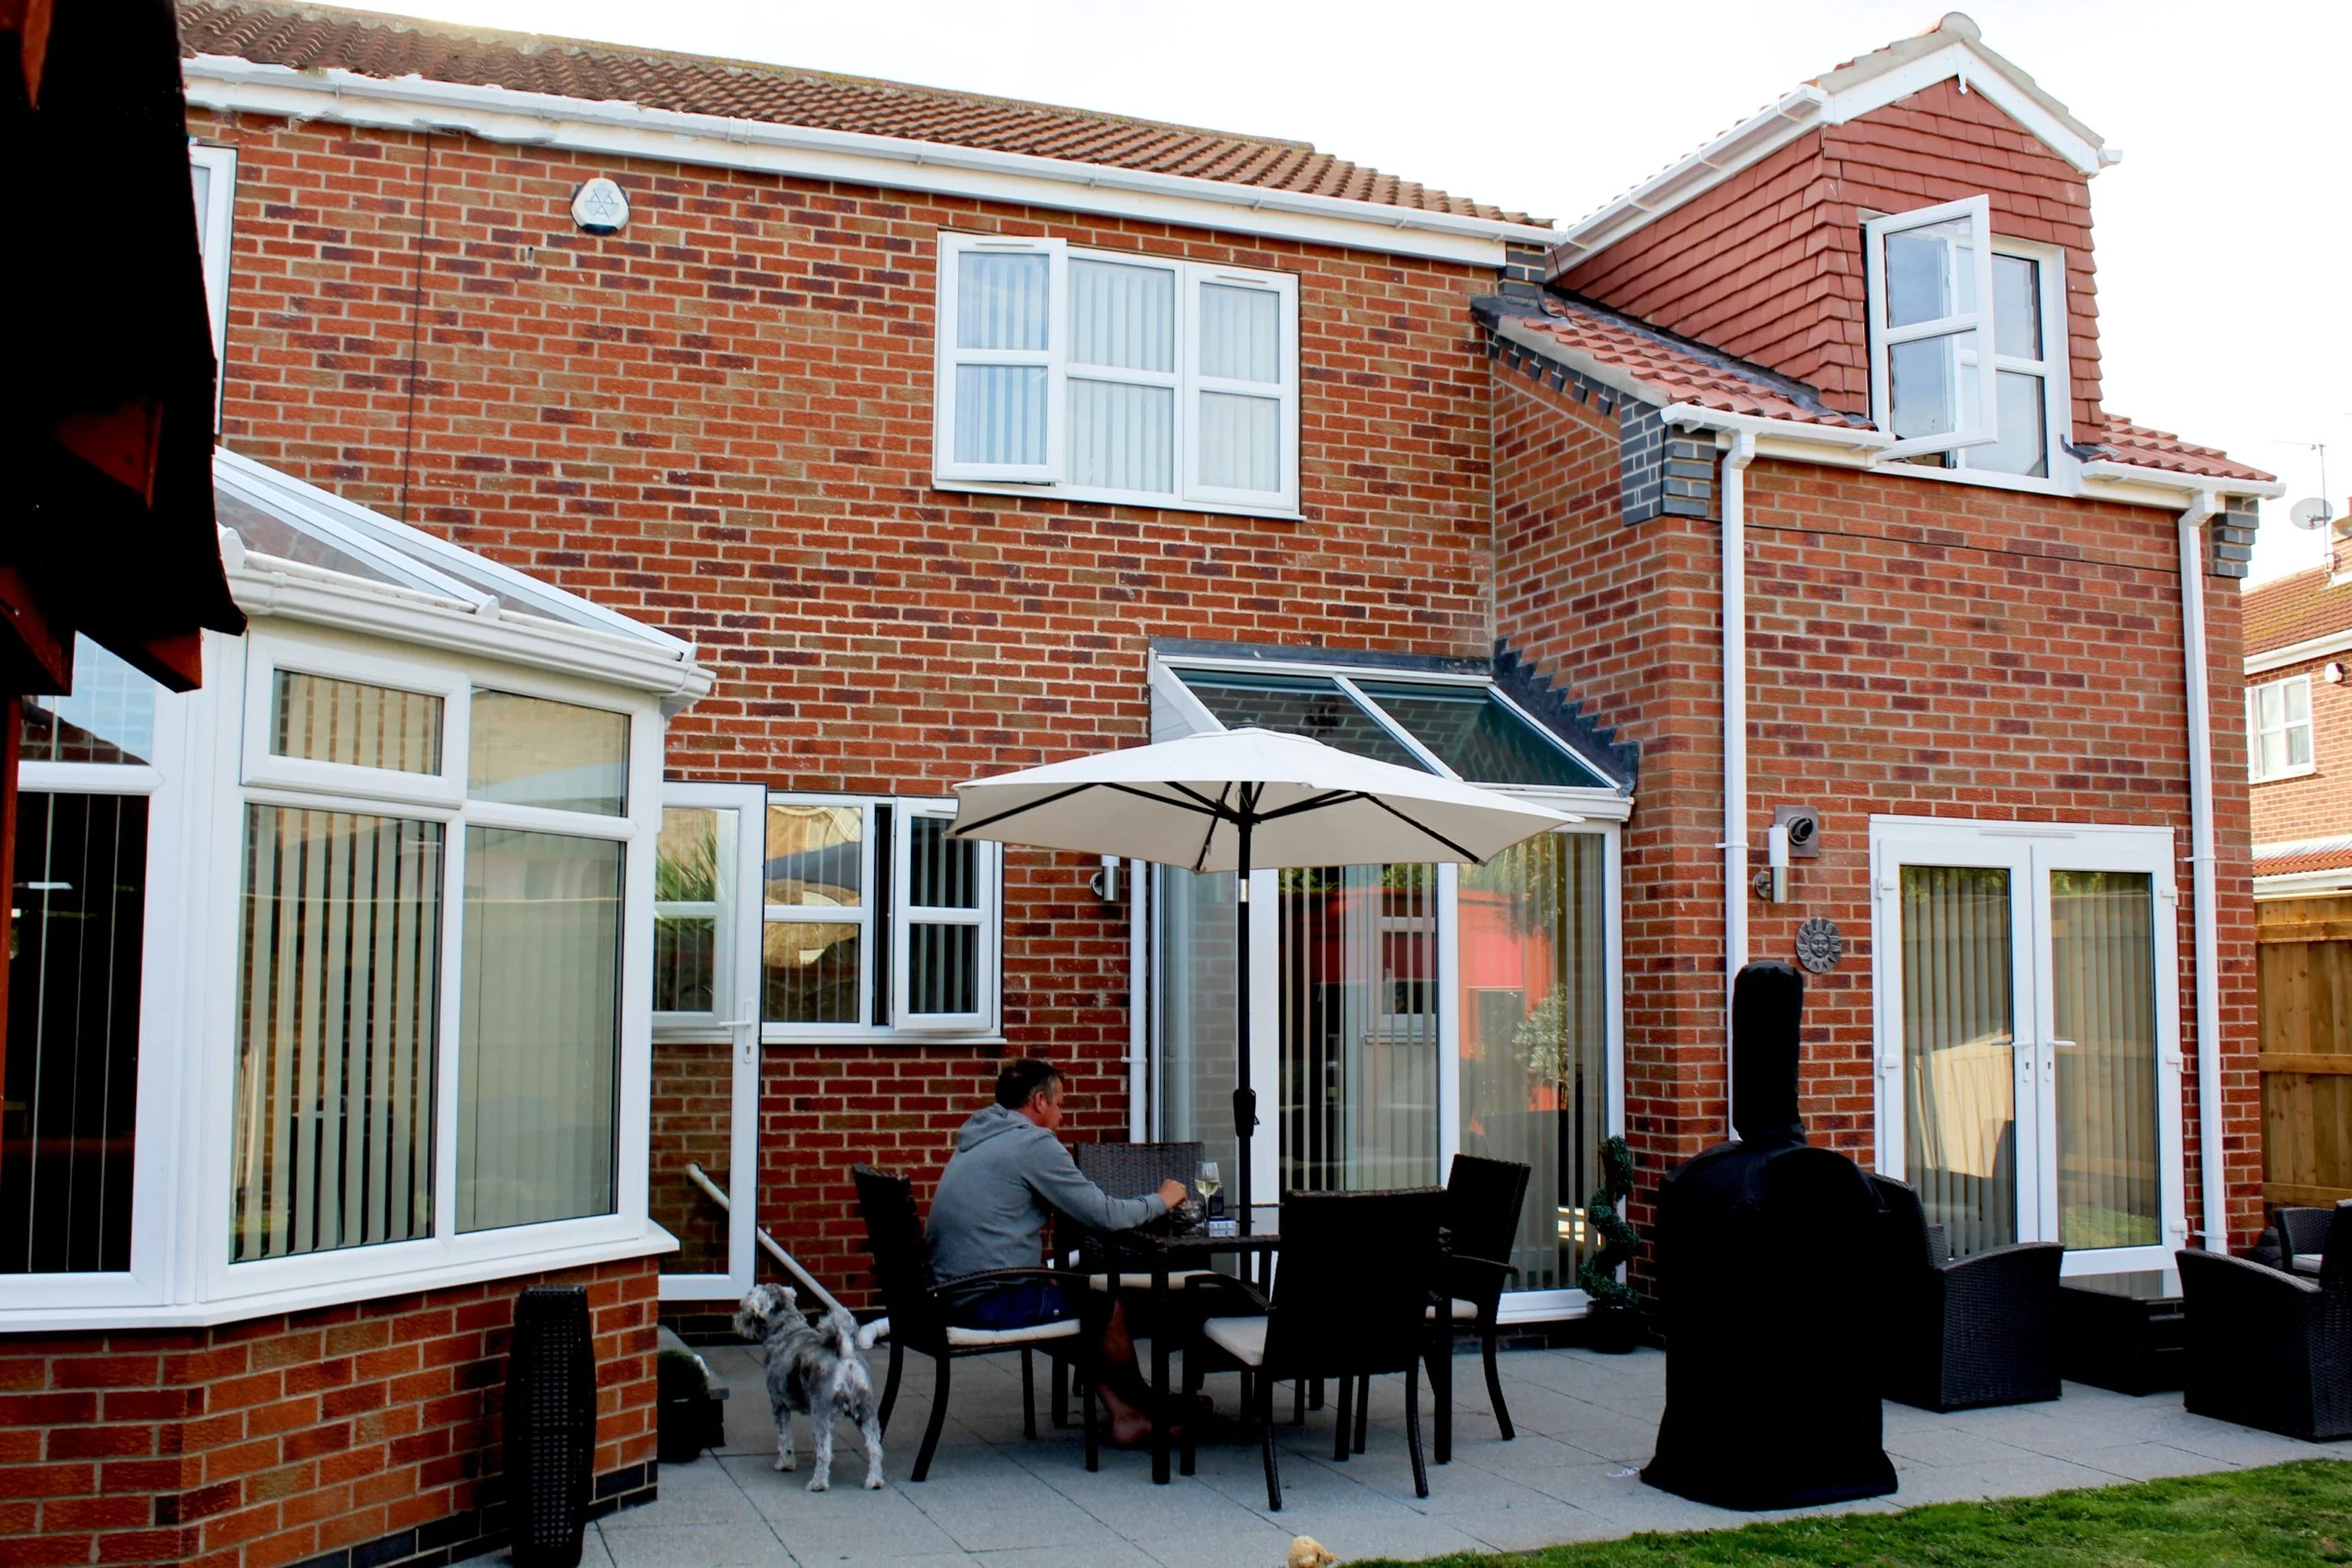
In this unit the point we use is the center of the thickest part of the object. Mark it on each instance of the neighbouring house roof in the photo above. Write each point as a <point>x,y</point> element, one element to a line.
<point>1953,47</point>
<point>2142,448</point>
<point>2303,855</point>
<point>1657,365</point>
<point>373,44</point>
<point>2297,609</point>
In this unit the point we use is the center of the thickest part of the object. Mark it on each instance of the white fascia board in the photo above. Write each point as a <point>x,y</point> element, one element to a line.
<point>228,84</point>
<point>2298,652</point>
<point>2121,474</point>
<point>266,588</point>
<point>1809,108</point>
<point>1794,433</point>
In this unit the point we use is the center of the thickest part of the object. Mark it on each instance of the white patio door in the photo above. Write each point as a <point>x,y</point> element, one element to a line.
<point>708,917</point>
<point>2028,1028</point>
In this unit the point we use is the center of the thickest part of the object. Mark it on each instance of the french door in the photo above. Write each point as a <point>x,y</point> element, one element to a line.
<point>708,917</point>
<point>2029,1034</point>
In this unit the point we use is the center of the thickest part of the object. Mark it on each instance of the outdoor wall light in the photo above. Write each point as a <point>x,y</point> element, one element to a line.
<point>2334,673</point>
<point>1105,882</point>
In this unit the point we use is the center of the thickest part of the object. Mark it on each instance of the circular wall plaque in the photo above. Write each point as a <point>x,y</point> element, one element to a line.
<point>1820,945</point>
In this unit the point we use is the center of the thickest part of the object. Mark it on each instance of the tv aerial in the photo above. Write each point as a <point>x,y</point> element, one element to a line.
<point>2310,514</point>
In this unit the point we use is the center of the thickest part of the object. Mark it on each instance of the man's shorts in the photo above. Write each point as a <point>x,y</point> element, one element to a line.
<point>1023,1303</point>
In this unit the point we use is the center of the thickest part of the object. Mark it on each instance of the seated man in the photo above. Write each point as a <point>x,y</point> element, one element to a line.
<point>1008,1174</point>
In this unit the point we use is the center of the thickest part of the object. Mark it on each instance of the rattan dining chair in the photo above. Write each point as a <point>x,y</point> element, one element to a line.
<point>920,1310</point>
<point>1349,1301</point>
<point>1959,1332</point>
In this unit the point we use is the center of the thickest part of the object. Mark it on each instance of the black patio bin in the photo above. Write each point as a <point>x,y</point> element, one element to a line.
<point>693,1412</point>
<point>550,1426</point>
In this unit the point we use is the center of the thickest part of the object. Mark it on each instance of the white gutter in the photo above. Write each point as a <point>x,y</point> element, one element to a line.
<point>233,85</point>
<point>1734,594</point>
<point>2164,479</point>
<point>1852,437</point>
<point>2298,652</point>
<point>2202,881</point>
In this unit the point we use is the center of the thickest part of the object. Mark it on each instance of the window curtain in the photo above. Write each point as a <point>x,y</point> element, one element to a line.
<point>1533,1046</point>
<point>2103,997</point>
<point>1960,1097</point>
<point>540,1034</point>
<point>1122,428</point>
<point>340,973</point>
<point>1240,341</point>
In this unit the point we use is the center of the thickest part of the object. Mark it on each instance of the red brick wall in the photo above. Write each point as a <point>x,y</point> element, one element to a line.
<point>1916,649</point>
<point>2319,804</point>
<point>275,1440</point>
<point>720,421</point>
<point>1769,264</point>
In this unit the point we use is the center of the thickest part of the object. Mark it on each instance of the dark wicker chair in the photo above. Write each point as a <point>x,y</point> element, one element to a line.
<point>1351,1300</point>
<point>1124,1170</point>
<point>920,1309</point>
<point>1964,1332</point>
<point>1483,1202</point>
<point>2303,1233</point>
<point>2268,1349</point>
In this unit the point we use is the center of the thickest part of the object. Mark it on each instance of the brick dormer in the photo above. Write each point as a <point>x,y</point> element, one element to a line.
<point>1755,244</point>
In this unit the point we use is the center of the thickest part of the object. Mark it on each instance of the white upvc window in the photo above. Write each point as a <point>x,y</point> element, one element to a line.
<point>2278,719</point>
<point>1108,377</point>
<point>878,925</point>
<point>1947,300</point>
<point>212,173</point>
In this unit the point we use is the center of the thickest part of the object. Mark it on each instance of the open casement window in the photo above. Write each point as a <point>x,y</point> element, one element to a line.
<point>212,171</point>
<point>1116,378</point>
<point>1932,327</point>
<point>879,926</point>
<point>2280,718</point>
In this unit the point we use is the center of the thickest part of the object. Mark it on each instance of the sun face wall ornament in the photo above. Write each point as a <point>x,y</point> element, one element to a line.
<point>1820,945</point>
<point>600,206</point>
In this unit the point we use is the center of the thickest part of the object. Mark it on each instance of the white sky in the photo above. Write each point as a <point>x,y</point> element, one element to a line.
<point>2222,237</point>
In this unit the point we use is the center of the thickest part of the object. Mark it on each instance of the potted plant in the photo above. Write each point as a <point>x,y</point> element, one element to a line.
<point>1614,1318</point>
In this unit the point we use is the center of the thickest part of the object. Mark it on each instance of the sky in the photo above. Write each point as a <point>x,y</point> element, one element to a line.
<point>2224,237</point>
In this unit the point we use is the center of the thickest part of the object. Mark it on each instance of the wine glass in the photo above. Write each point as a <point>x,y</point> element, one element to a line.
<point>1209,1182</point>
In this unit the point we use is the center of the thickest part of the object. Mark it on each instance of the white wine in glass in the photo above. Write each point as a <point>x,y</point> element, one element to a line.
<point>1209,1182</point>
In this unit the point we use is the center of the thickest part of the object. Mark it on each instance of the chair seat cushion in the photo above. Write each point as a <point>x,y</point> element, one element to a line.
<point>1033,1333</point>
<point>1463,1312</point>
<point>1243,1338</point>
<point>2309,1262</point>
<point>1176,1277</point>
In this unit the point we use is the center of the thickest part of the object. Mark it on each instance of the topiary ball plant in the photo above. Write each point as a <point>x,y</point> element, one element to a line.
<point>1611,1297</point>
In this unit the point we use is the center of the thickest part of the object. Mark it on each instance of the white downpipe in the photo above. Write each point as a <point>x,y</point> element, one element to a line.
<point>1734,596</point>
<point>1138,1004</point>
<point>2207,940</point>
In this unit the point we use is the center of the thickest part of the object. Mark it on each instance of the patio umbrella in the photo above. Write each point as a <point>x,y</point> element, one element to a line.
<point>1245,800</point>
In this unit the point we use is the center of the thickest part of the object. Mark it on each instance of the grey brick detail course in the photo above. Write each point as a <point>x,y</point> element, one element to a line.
<point>2231,533</point>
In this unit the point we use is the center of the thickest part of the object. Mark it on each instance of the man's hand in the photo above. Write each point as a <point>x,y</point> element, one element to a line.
<point>1171,1193</point>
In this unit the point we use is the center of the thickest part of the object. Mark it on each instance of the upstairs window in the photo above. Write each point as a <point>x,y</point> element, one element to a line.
<point>1948,303</point>
<point>2278,716</point>
<point>1115,378</point>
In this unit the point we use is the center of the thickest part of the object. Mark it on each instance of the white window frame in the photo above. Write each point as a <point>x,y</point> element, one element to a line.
<point>215,231</point>
<point>2054,369</point>
<point>259,768</point>
<point>392,1267</point>
<point>986,1023</point>
<point>1976,211</point>
<point>1050,478</point>
<point>2257,729</point>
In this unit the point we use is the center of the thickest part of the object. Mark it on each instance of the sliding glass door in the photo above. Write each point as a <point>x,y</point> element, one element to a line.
<point>2028,1029</point>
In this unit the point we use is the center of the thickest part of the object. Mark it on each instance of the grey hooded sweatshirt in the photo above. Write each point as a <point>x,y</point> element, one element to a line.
<point>1007,1174</point>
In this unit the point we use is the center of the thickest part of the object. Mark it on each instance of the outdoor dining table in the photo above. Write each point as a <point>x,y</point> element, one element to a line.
<point>1138,1252</point>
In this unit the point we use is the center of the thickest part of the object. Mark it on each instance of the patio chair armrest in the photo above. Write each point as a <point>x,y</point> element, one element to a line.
<point>1492,1266</point>
<point>1200,1288</point>
<point>954,1290</point>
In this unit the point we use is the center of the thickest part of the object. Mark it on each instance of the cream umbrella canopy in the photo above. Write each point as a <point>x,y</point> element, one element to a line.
<point>1245,800</point>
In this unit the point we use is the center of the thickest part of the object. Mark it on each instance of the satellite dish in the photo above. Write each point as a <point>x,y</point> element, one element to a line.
<point>2309,514</point>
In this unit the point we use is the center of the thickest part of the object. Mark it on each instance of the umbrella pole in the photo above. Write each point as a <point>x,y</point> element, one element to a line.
<point>1245,1098</point>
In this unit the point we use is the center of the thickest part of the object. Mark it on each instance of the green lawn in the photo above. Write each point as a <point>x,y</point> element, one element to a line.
<point>2298,1512</point>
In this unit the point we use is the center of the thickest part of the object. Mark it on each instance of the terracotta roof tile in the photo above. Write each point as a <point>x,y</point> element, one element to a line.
<point>1679,370</point>
<point>2145,449</point>
<point>373,44</point>
<point>2289,610</point>
<point>2270,862</point>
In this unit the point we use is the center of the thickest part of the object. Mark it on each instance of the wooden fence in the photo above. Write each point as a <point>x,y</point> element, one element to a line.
<point>2304,970</point>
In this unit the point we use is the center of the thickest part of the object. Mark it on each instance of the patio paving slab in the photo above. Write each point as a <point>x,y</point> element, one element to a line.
<point>1585,1423</point>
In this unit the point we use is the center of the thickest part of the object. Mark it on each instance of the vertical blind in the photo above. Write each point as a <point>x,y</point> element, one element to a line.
<point>2104,1006</point>
<point>69,1115</point>
<point>339,969</point>
<point>1535,1046</point>
<point>1003,303</point>
<point>943,909</point>
<point>1122,428</point>
<point>1959,1095</point>
<point>1198,1060</point>
<point>539,1040</point>
<point>1240,436</point>
<point>1358,984</point>
<point>361,725</point>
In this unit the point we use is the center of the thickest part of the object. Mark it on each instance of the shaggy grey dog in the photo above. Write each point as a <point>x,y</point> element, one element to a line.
<point>818,1369</point>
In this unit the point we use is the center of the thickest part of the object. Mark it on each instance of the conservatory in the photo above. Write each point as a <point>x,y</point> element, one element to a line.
<point>1406,1012</point>
<point>340,969</point>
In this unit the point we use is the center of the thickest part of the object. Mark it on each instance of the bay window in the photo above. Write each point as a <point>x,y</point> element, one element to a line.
<point>1115,378</point>
<point>1967,335</point>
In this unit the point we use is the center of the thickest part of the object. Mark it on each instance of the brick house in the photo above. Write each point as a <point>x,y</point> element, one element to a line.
<point>2299,727</point>
<point>957,435</point>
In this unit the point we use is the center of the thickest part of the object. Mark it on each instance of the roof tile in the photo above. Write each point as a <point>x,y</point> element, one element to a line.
<point>2289,610</point>
<point>372,44</point>
<point>2145,448</point>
